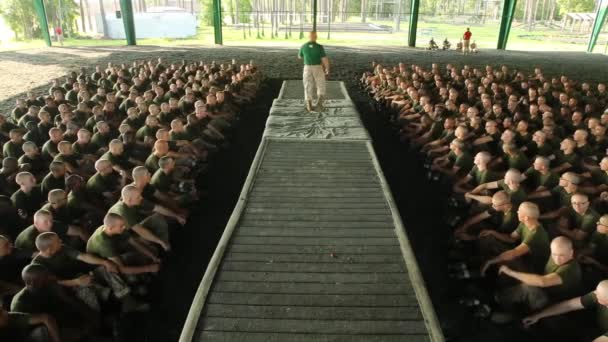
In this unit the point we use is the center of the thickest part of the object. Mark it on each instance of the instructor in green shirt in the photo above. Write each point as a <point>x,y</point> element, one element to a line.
<point>316,67</point>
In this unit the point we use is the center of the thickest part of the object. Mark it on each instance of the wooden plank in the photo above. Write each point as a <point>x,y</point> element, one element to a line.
<point>320,300</point>
<point>312,224</point>
<point>260,266</point>
<point>336,232</point>
<point>312,312</point>
<point>274,199</point>
<point>314,326</point>
<point>315,241</point>
<point>289,156</point>
<point>317,205</point>
<point>231,336</point>
<point>329,189</point>
<point>315,218</point>
<point>330,163</point>
<point>316,258</point>
<point>316,249</point>
<point>316,171</point>
<point>320,211</point>
<point>359,278</point>
<point>317,182</point>
<point>311,288</point>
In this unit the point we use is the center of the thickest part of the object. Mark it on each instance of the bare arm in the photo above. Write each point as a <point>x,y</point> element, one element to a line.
<point>152,268</point>
<point>569,305</point>
<point>548,280</point>
<point>472,221</point>
<point>148,235</point>
<point>325,62</point>
<point>49,322</point>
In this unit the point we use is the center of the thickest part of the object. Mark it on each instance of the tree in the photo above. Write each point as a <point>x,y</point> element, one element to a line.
<point>206,12</point>
<point>398,15</point>
<point>104,23</point>
<point>81,7</point>
<point>363,10</point>
<point>20,17</point>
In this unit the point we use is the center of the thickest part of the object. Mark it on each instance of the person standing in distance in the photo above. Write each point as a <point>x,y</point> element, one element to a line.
<point>316,67</point>
<point>466,40</point>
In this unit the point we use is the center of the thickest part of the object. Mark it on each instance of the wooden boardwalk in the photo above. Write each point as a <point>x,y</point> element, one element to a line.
<point>315,249</point>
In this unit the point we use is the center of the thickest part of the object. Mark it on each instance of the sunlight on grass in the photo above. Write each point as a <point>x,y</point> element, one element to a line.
<point>485,36</point>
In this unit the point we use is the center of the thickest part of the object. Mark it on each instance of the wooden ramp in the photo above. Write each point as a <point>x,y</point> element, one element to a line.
<point>315,249</point>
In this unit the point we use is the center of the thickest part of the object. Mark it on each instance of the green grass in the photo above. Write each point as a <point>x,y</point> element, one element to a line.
<point>485,36</point>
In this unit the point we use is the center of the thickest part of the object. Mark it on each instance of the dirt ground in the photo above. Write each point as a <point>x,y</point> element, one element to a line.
<point>33,69</point>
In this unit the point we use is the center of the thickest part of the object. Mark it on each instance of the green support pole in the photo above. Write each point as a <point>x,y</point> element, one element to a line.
<point>600,18</point>
<point>126,9</point>
<point>44,25</point>
<point>217,21</point>
<point>508,10</point>
<point>415,6</point>
<point>314,15</point>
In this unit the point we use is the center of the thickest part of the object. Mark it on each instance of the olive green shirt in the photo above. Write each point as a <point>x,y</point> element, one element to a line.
<point>589,301</point>
<point>538,242</point>
<point>108,246</point>
<point>571,276</point>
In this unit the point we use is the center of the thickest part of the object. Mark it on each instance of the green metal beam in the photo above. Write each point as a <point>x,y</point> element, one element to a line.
<point>126,8</point>
<point>411,35</point>
<point>600,18</point>
<point>508,9</point>
<point>44,25</point>
<point>314,15</point>
<point>217,21</point>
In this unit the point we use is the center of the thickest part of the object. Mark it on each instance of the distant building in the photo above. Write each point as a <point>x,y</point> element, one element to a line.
<point>156,22</point>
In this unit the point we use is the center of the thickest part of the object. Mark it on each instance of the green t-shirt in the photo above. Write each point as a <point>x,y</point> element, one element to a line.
<point>481,177</point>
<point>98,184</point>
<point>571,276</point>
<point>38,165</point>
<point>132,215</point>
<point>174,136</point>
<point>599,177</point>
<point>561,197</point>
<point>87,148</point>
<point>146,131</point>
<point>517,196</point>
<point>49,149</point>
<point>41,301</point>
<point>573,159</point>
<point>548,180</point>
<point>121,160</point>
<point>312,53</point>
<point>599,246</point>
<point>100,141</point>
<point>464,162</point>
<point>61,214</point>
<point>537,241</point>
<point>30,202</point>
<point>108,246</point>
<point>504,222</point>
<point>64,264</point>
<point>11,149</point>
<point>585,151</point>
<point>586,222</point>
<point>50,182</point>
<point>26,240</point>
<point>152,163</point>
<point>518,161</point>
<point>18,327</point>
<point>589,301</point>
<point>161,181</point>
